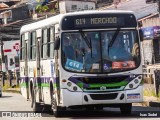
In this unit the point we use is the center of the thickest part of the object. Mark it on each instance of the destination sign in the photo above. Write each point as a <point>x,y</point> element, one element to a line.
<point>103,21</point>
<point>98,21</point>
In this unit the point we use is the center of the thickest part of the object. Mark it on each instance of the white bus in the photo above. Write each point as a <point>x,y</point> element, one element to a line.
<point>84,59</point>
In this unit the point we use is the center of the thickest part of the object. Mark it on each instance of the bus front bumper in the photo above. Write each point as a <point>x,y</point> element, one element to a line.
<point>70,98</point>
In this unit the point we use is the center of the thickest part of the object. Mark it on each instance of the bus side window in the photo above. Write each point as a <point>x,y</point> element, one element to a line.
<point>33,46</point>
<point>44,52</point>
<point>51,42</point>
<point>22,49</point>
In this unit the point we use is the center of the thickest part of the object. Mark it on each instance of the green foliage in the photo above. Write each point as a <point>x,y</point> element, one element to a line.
<point>5,87</point>
<point>38,0</point>
<point>41,8</point>
<point>44,8</point>
<point>53,11</point>
<point>150,92</point>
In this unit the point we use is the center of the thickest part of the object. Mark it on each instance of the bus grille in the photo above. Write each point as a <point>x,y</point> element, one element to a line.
<point>98,88</point>
<point>102,80</point>
<point>104,96</point>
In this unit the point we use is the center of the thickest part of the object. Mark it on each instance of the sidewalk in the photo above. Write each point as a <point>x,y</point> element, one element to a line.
<point>12,90</point>
<point>149,98</point>
<point>152,101</point>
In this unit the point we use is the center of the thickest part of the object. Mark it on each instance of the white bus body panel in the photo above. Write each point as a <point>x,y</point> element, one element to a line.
<point>76,98</point>
<point>46,75</point>
<point>23,88</point>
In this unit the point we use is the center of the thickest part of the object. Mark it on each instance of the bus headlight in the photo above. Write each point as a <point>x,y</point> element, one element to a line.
<point>75,88</point>
<point>134,83</point>
<point>72,86</point>
<point>131,85</point>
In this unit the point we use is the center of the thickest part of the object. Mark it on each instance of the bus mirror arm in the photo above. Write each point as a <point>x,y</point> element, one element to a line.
<point>57,43</point>
<point>141,34</point>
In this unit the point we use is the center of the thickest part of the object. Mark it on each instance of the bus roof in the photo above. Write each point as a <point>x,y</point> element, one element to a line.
<point>57,19</point>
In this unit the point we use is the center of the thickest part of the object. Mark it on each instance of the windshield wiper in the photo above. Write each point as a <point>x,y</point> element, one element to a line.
<point>88,42</point>
<point>113,39</point>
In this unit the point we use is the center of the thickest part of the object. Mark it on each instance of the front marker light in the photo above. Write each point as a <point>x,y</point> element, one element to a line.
<point>69,84</point>
<point>64,80</point>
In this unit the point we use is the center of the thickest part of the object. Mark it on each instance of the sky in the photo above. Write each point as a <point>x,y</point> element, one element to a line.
<point>139,7</point>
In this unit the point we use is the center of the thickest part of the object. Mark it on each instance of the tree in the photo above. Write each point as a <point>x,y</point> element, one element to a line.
<point>44,6</point>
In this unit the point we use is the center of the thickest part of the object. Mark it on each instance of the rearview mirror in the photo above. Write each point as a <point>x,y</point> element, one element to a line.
<point>57,43</point>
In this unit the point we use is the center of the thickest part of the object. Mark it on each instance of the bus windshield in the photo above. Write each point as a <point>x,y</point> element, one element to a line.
<point>92,52</point>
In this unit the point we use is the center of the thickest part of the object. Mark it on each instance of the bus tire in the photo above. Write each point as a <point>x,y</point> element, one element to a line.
<point>126,108</point>
<point>36,106</point>
<point>55,108</point>
<point>32,98</point>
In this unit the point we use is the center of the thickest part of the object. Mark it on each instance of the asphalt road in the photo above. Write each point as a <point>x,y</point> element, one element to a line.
<point>13,104</point>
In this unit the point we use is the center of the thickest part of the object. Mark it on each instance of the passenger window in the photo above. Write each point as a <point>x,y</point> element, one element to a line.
<point>33,46</point>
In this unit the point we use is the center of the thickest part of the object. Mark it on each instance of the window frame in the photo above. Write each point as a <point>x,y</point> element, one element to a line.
<point>22,47</point>
<point>51,42</point>
<point>32,46</point>
<point>44,44</point>
<point>48,43</point>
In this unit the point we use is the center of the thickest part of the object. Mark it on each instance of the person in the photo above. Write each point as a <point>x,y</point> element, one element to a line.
<point>117,51</point>
<point>68,49</point>
<point>136,53</point>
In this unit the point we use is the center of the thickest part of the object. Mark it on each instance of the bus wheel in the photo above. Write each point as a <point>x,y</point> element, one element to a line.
<point>36,106</point>
<point>126,108</point>
<point>54,106</point>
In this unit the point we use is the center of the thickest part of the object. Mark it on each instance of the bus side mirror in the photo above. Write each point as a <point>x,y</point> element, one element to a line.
<point>57,43</point>
<point>141,34</point>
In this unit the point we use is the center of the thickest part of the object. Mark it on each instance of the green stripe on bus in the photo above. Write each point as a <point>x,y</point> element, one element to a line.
<point>80,85</point>
<point>124,83</point>
<point>45,85</point>
<point>110,85</point>
<point>24,85</point>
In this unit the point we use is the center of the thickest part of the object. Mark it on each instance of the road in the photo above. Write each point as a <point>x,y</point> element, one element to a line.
<point>16,105</point>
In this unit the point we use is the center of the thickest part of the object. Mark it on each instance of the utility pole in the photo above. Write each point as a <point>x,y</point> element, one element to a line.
<point>3,61</point>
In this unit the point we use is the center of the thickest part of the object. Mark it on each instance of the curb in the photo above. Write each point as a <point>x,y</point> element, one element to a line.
<point>12,90</point>
<point>154,104</point>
